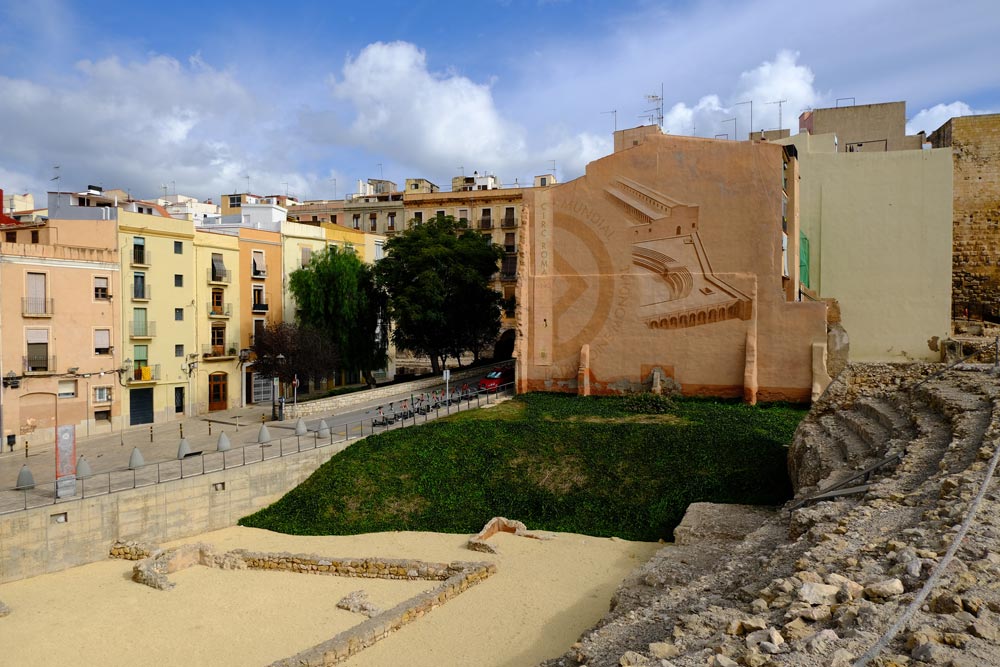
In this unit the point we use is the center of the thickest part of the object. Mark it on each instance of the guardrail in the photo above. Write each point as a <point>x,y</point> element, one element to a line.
<point>203,463</point>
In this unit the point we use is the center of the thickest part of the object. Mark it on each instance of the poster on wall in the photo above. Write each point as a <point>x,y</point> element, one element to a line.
<point>65,461</point>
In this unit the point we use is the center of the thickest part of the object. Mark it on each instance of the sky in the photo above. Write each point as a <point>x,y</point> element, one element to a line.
<point>308,97</point>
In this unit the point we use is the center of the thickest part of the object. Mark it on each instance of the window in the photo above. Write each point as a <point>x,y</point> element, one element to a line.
<point>67,388</point>
<point>357,221</point>
<point>178,247</point>
<point>258,295</point>
<point>178,314</point>
<point>10,237</point>
<point>139,290</point>
<point>102,415</point>
<point>392,220</point>
<point>38,350</point>
<point>138,250</point>
<point>179,401</point>
<point>258,330</point>
<point>463,215</point>
<point>235,201</point>
<point>101,288</point>
<point>418,217</point>
<point>508,242</point>
<point>414,186</point>
<point>217,296</point>
<point>486,221</point>
<point>508,266</point>
<point>219,272</point>
<point>218,338</point>
<point>543,181</point>
<point>141,354</point>
<point>372,221</point>
<point>178,280</point>
<point>257,265</point>
<point>508,216</point>
<point>178,350</point>
<point>102,341</point>
<point>34,236</point>
<point>306,255</point>
<point>439,213</point>
<point>35,303</point>
<point>102,394</point>
<point>140,325</point>
<point>379,250</point>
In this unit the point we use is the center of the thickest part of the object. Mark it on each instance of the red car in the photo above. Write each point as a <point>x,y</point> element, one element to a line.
<point>496,378</point>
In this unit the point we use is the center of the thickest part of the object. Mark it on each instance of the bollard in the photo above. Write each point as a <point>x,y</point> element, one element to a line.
<point>25,448</point>
<point>210,428</point>
<point>181,425</point>
<point>151,433</point>
<point>183,449</point>
<point>223,444</point>
<point>237,422</point>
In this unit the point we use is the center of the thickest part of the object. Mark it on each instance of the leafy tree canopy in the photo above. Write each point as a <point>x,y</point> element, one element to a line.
<point>336,294</point>
<point>284,350</point>
<point>437,276</point>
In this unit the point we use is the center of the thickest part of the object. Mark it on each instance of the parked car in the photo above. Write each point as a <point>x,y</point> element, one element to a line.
<point>497,377</point>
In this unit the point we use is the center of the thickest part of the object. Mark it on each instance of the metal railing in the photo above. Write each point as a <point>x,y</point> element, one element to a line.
<point>141,292</point>
<point>215,351</point>
<point>142,329</point>
<point>486,223</point>
<point>508,222</point>
<point>32,306</point>
<point>259,307</point>
<point>219,309</point>
<point>205,462</point>
<point>145,373</point>
<point>39,363</point>
<point>219,275</point>
<point>141,256</point>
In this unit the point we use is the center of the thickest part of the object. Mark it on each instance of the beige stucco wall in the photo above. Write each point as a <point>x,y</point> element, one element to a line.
<point>209,359</point>
<point>880,228</point>
<point>714,315</point>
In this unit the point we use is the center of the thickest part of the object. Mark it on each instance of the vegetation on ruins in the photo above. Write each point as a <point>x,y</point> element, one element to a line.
<point>437,276</point>
<point>336,293</point>
<point>605,466</point>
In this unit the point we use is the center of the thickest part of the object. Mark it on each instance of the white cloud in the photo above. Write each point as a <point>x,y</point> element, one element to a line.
<point>931,119</point>
<point>782,79</point>
<point>434,121</point>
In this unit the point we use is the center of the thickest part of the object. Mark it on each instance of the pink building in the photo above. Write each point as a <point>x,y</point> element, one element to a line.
<point>60,322</point>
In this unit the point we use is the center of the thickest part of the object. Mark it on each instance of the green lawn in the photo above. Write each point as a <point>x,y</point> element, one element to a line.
<point>598,466</point>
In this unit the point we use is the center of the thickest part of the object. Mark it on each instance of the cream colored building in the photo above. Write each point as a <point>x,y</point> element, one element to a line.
<point>878,228</point>
<point>216,374</point>
<point>863,128</point>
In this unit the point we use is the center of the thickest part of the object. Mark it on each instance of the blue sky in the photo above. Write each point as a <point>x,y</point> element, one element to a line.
<point>299,95</point>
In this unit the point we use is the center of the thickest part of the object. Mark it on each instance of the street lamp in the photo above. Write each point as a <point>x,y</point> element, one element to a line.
<point>274,388</point>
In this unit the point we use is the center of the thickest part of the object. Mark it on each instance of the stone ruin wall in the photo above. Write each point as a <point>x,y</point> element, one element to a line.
<point>975,143</point>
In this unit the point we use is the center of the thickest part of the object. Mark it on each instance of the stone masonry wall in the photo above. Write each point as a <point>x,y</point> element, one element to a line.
<point>975,143</point>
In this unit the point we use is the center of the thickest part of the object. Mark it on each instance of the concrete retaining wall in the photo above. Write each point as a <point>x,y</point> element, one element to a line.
<point>56,537</point>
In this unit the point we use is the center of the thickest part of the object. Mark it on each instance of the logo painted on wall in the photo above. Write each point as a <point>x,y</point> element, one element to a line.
<point>676,285</point>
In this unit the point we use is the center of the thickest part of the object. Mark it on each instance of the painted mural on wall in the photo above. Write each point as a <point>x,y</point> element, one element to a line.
<point>676,285</point>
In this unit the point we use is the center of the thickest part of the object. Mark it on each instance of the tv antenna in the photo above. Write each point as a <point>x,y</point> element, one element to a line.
<point>614,114</point>
<point>779,103</point>
<point>750,102</point>
<point>55,170</point>
<point>657,100</point>
<point>248,182</point>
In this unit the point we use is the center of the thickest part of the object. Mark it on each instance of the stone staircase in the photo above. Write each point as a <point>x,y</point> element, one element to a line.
<point>818,585</point>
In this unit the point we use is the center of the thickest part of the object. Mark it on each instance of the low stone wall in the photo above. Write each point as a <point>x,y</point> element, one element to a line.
<point>455,577</point>
<point>340,403</point>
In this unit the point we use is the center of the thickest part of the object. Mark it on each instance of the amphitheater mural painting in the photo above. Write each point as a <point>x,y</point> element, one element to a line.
<point>620,285</point>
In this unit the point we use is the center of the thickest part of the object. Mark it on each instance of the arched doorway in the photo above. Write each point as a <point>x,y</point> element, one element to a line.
<point>218,391</point>
<point>504,349</point>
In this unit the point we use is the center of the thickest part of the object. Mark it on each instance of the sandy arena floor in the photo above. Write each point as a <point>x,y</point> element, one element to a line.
<point>543,596</point>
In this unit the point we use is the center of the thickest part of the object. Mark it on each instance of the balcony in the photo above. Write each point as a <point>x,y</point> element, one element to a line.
<point>219,310</point>
<point>508,222</point>
<point>220,352</point>
<point>140,256</point>
<point>259,307</point>
<point>256,272</point>
<point>144,372</point>
<point>142,329</point>
<point>36,307</point>
<point>508,276</point>
<point>39,364</point>
<point>141,292</point>
<point>219,276</point>
<point>486,223</point>
<point>510,249</point>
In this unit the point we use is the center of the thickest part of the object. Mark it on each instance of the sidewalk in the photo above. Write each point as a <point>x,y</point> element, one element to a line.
<point>111,451</point>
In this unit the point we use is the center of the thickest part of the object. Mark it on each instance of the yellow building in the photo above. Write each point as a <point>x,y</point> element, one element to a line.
<point>215,368</point>
<point>158,282</point>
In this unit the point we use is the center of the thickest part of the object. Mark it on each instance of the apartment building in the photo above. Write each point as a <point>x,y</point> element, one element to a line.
<point>61,359</point>
<point>214,369</point>
<point>318,211</point>
<point>261,298</point>
<point>863,128</point>
<point>376,207</point>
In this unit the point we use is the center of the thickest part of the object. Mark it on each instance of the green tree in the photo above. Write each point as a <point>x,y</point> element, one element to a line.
<point>337,295</point>
<point>437,276</point>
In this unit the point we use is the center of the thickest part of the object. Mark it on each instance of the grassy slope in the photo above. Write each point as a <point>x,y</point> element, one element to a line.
<point>555,462</point>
